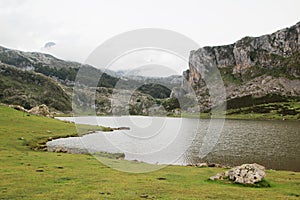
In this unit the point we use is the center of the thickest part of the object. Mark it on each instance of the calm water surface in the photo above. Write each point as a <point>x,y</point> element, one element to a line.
<point>274,144</point>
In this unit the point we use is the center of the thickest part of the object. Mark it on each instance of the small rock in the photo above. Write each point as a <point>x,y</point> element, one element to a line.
<point>39,170</point>
<point>17,107</point>
<point>202,165</point>
<point>211,165</point>
<point>60,150</point>
<point>219,176</point>
<point>161,178</point>
<point>144,195</point>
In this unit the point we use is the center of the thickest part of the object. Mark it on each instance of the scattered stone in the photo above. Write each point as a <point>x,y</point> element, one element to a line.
<point>144,195</point>
<point>60,150</point>
<point>211,164</point>
<point>219,165</point>
<point>201,165</point>
<point>120,128</point>
<point>102,192</point>
<point>90,132</point>
<point>59,167</point>
<point>161,178</point>
<point>17,107</point>
<point>39,170</point>
<point>219,176</point>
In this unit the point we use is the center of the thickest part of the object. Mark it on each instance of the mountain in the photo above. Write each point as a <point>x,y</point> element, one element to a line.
<point>255,70</point>
<point>260,75</point>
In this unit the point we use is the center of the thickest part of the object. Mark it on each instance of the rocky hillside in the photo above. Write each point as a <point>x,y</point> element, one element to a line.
<point>255,70</point>
<point>29,89</point>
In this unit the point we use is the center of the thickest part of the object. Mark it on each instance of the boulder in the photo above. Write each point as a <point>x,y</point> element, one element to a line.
<point>41,110</point>
<point>245,174</point>
<point>17,107</point>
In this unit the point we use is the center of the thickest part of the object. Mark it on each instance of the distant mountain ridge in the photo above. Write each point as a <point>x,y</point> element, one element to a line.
<point>21,70</point>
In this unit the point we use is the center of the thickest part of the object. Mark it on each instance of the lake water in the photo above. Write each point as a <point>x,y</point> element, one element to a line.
<point>161,140</point>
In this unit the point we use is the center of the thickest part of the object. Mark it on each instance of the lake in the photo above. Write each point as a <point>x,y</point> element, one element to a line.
<point>164,140</point>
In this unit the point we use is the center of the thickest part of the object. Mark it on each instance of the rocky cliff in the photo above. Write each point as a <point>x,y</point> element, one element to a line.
<point>254,67</point>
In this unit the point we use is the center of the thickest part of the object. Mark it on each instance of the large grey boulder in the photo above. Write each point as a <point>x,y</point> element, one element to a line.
<point>244,174</point>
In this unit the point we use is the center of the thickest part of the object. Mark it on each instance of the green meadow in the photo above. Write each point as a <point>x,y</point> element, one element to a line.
<point>27,172</point>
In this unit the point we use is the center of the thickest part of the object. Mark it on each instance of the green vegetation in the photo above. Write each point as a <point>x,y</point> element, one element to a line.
<point>280,110</point>
<point>249,100</point>
<point>61,73</point>
<point>30,89</point>
<point>262,184</point>
<point>28,174</point>
<point>229,77</point>
<point>155,90</point>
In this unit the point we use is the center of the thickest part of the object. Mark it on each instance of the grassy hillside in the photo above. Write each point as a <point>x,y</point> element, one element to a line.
<point>28,174</point>
<point>30,89</point>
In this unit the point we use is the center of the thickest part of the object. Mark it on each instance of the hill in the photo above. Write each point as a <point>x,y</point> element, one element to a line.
<point>29,89</point>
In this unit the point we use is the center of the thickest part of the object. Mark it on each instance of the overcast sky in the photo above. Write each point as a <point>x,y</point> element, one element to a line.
<point>78,27</point>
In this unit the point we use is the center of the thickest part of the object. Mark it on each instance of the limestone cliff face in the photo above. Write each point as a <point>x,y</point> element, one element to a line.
<point>268,52</point>
<point>255,66</point>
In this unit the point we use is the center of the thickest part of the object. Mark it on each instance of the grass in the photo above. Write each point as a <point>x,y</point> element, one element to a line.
<point>278,111</point>
<point>29,174</point>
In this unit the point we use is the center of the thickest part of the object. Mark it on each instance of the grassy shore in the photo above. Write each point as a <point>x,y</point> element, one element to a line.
<point>29,174</point>
<point>289,110</point>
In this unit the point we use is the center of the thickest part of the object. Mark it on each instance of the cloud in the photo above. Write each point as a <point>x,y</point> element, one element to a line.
<point>49,45</point>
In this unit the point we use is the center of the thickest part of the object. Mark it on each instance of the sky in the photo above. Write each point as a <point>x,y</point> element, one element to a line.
<point>78,27</point>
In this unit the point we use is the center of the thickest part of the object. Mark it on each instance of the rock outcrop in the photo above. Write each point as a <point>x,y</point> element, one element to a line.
<point>41,110</point>
<point>253,66</point>
<point>268,51</point>
<point>244,174</point>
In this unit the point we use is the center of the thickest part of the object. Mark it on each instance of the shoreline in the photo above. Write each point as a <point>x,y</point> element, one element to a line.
<point>254,116</point>
<point>233,163</point>
<point>121,156</point>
